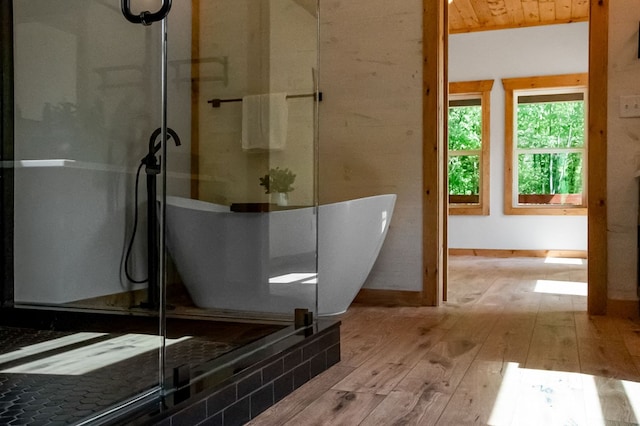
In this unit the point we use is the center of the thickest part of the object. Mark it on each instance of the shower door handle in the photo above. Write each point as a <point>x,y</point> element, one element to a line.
<point>145,18</point>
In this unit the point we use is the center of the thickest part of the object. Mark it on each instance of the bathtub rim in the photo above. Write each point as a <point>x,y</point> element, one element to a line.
<point>194,204</point>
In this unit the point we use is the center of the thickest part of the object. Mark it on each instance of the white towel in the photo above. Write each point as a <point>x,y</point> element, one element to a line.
<point>264,122</point>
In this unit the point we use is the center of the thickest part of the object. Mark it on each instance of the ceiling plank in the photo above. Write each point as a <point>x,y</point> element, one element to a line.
<point>531,11</point>
<point>499,13</point>
<point>467,13</point>
<point>456,23</point>
<point>563,9</point>
<point>515,11</point>
<point>547,10</point>
<point>482,15</point>
<point>579,8</point>
<point>482,12</point>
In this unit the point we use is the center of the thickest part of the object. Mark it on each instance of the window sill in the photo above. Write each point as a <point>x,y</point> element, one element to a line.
<point>466,210</point>
<point>546,210</point>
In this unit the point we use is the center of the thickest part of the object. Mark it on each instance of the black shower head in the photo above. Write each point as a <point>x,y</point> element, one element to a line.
<point>170,134</point>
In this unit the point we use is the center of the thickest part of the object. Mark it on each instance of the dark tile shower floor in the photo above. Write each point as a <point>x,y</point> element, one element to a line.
<point>58,399</point>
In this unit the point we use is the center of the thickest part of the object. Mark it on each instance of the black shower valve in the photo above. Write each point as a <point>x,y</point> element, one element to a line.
<point>152,166</point>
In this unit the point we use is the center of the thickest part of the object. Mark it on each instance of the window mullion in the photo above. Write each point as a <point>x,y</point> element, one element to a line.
<point>548,150</point>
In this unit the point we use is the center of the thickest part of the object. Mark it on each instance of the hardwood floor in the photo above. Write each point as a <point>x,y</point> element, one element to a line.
<point>499,352</point>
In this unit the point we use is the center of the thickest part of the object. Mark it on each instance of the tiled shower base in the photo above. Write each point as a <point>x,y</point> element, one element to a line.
<point>47,376</point>
<point>264,365</point>
<point>252,383</point>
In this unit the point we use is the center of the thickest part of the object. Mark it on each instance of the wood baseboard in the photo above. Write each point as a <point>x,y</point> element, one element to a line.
<point>389,298</point>
<point>578,254</point>
<point>623,308</point>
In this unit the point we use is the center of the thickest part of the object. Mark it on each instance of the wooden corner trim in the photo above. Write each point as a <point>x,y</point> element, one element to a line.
<point>623,308</point>
<point>389,298</point>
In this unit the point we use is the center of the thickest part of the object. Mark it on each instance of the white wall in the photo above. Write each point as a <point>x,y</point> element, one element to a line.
<point>271,47</point>
<point>533,51</point>
<point>623,153</point>
<point>371,122</point>
<point>179,98</point>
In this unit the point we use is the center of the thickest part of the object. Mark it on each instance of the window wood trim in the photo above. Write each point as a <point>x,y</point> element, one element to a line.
<point>434,138</point>
<point>597,232</point>
<point>481,88</point>
<point>565,81</point>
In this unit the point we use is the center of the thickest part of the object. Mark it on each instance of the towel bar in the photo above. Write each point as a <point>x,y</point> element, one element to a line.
<point>216,103</point>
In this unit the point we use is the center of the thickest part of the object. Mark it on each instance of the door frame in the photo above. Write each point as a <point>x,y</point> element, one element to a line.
<point>597,250</point>
<point>435,246</point>
<point>434,176</point>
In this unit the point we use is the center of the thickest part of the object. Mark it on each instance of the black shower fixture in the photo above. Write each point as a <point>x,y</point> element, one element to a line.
<point>146,17</point>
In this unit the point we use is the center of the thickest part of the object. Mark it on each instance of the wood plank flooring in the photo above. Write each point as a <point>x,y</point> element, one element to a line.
<point>512,346</point>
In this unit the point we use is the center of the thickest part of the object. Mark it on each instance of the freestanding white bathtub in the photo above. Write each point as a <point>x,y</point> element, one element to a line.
<point>266,262</point>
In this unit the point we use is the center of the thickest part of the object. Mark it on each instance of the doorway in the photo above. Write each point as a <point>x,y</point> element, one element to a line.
<point>435,72</point>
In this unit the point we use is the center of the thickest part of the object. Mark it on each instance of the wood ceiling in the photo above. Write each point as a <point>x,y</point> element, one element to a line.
<point>481,15</point>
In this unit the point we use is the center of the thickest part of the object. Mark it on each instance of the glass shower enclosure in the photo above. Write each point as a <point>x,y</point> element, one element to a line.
<point>159,196</point>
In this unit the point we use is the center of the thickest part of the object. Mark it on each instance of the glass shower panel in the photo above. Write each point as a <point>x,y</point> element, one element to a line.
<point>241,206</point>
<point>88,110</point>
<point>87,99</point>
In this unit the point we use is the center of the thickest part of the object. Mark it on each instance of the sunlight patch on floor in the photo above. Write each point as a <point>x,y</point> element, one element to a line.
<point>48,346</point>
<point>502,412</point>
<point>542,397</point>
<point>574,288</point>
<point>98,355</point>
<point>632,389</point>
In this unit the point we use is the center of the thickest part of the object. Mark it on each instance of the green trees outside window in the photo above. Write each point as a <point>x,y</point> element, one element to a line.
<point>550,149</point>
<point>468,146</point>
<point>465,145</point>
<point>545,145</point>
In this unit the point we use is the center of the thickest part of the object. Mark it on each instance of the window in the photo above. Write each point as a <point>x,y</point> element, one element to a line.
<point>468,134</point>
<point>545,145</point>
